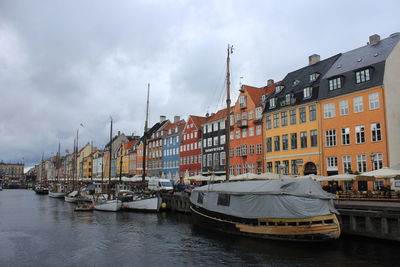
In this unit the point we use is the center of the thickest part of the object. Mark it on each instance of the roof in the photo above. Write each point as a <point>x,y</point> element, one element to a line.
<point>369,56</point>
<point>197,120</point>
<point>179,124</point>
<point>217,116</point>
<point>295,81</point>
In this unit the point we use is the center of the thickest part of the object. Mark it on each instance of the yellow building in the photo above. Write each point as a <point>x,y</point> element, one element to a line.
<point>292,136</point>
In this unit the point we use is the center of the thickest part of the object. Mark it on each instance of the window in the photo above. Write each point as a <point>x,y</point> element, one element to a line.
<point>244,150</point>
<point>238,151</point>
<point>276,120</point>
<point>314,76</point>
<point>209,142</point>
<point>295,82</point>
<point>330,137</point>
<point>244,115</point>
<point>373,101</point>
<point>231,135</point>
<point>277,164</point>
<point>313,136</point>
<point>332,163</point>
<point>378,161</point>
<point>251,114</point>
<point>376,134</point>
<point>269,145</point>
<point>272,103</point>
<point>286,168</point>
<point>221,126</point>
<point>251,131</point>
<point>258,113</point>
<point>224,200</point>
<point>231,152</point>
<point>302,115</point>
<point>284,120</point>
<point>232,119</point>
<point>345,136</point>
<point>223,139</point>
<point>361,163</point>
<point>378,185</point>
<point>242,101</point>
<point>285,142</point>
<point>238,169</point>
<point>209,160</point>
<point>344,107</point>
<point>251,152</point>
<point>232,170</point>
<point>200,198</point>
<point>238,134</point>
<point>303,139</point>
<point>268,124</point>
<point>329,111</point>
<point>287,99</point>
<point>216,159</point>
<point>244,133</point>
<point>292,117</point>
<point>216,141</point>
<point>360,134</point>
<point>204,142</point>
<point>346,163</point>
<point>237,117</point>
<point>335,83</point>
<point>313,112</point>
<point>278,88</point>
<point>295,171</point>
<point>307,92</point>
<point>258,130</point>
<point>362,76</point>
<point>358,104</point>
<point>293,140</point>
<point>259,148</point>
<point>277,143</point>
<point>269,166</point>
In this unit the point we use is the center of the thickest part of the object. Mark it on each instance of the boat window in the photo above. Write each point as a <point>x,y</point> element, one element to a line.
<point>200,197</point>
<point>291,223</point>
<point>317,222</point>
<point>328,221</point>
<point>304,223</point>
<point>224,199</point>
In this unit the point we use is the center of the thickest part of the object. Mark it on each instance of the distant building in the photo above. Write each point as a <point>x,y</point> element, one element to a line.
<point>11,174</point>
<point>171,142</point>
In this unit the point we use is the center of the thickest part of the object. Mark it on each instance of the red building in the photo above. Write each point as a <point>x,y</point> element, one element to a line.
<point>246,145</point>
<point>190,147</point>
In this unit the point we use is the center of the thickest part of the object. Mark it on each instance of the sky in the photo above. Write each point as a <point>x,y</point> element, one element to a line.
<point>68,63</point>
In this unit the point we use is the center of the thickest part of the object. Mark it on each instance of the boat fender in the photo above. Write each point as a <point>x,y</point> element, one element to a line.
<point>163,205</point>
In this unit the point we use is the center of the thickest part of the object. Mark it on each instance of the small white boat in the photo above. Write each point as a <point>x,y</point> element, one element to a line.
<point>102,203</point>
<point>143,202</point>
<point>56,194</point>
<point>72,197</point>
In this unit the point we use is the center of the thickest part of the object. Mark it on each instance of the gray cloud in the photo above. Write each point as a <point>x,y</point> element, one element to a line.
<point>63,63</point>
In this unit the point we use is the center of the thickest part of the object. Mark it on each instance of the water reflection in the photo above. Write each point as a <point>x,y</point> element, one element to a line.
<point>37,230</point>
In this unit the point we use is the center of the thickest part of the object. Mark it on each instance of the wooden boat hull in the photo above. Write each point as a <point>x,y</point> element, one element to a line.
<point>319,228</point>
<point>148,204</point>
<point>108,205</point>
<point>56,194</point>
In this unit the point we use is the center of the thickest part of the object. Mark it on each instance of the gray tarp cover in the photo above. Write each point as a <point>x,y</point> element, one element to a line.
<point>281,198</point>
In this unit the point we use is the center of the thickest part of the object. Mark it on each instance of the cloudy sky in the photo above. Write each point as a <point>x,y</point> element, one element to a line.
<point>67,62</point>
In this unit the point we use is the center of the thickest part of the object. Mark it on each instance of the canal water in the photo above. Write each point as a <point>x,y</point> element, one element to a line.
<point>36,230</point>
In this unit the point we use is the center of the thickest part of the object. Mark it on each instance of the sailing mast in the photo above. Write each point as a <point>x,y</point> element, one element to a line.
<point>58,163</point>
<point>41,171</point>
<point>109,162</point>
<point>228,112</point>
<point>145,138</point>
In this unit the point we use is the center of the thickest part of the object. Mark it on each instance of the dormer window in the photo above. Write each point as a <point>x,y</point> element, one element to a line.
<point>307,92</point>
<point>287,99</point>
<point>278,88</point>
<point>335,83</point>
<point>314,77</point>
<point>295,82</point>
<point>263,98</point>
<point>272,103</point>
<point>363,76</point>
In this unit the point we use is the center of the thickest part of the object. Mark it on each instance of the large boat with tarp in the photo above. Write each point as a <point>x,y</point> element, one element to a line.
<point>285,209</point>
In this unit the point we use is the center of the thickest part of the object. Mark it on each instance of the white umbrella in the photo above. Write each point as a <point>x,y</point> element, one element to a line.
<point>337,177</point>
<point>383,173</point>
<point>245,176</point>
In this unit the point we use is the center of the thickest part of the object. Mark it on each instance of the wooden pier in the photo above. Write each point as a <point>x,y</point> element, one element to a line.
<point>177,201</point>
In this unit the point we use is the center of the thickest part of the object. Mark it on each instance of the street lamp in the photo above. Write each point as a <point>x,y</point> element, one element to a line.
<point>372,156</point>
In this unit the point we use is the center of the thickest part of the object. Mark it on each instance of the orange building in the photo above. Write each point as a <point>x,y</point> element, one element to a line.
<point>246,146</point>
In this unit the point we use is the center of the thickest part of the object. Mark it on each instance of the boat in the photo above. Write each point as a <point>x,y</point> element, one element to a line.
<point>285,209</point>
<point>295,209</point>
<point>146,202</point>
<point>41,187</point>
<point>57,189</point>
<point>83,206</point>
<point>72,197</point>
<point>107,202</point>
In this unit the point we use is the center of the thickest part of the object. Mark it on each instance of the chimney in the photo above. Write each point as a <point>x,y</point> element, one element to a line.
<point>177,118</point>
<point>207,114</point>
<point>270,82</point>
<point>119,132</point>
<point>374,39</point>
<point>162,118</point>
<point>313,59</point>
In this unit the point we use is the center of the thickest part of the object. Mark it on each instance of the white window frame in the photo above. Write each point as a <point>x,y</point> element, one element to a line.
<point>329,110</point>
<point>358,104</point>
<point>344,107</point>
<point>376,131</point>
<point>330,138</point>
<point>360,134</point>
<point>373,100</point>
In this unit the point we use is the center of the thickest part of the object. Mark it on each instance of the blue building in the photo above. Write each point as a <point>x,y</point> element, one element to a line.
<point>171,143</point>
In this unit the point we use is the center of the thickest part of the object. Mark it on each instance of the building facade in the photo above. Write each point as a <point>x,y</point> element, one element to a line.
<point>171,143</point>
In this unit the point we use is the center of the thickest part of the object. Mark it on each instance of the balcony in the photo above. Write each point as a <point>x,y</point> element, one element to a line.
<point>259,121</point>
<point>243,105</point>
<point>243,123</point>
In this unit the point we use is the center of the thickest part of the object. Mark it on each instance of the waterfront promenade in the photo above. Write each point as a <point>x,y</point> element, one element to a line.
<point>36,230</point>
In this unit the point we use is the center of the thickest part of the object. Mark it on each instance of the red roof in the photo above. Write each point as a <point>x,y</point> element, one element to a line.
<point>256,93</point>
<point>130,144</point>
<point>219,115</point>
<point>197,120</point>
